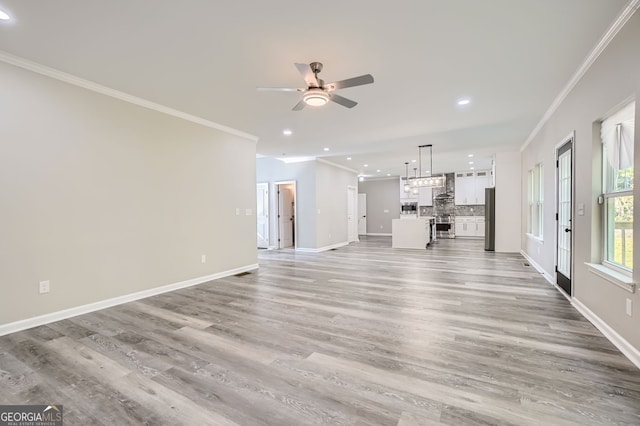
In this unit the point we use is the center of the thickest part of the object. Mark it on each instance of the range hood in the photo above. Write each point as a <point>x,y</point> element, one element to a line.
<point>444,196</point>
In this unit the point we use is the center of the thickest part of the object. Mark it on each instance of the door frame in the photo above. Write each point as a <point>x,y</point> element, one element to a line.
<point>365,215</point>
<point>569,138</point>
<point>352,192</point>
<point>268,212</point>
<point>276,205</point>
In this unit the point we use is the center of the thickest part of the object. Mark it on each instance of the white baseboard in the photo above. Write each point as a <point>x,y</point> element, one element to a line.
<point>619,342</point>
<point>378,234</point>
<point>24,324</point>
<point>547,276</point>
<point>318,250</point>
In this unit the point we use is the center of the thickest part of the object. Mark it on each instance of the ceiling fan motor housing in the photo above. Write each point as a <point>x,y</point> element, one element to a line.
<point>316,67</point>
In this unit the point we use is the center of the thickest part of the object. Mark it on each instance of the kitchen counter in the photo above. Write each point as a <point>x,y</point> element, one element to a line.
<point>415,233</point>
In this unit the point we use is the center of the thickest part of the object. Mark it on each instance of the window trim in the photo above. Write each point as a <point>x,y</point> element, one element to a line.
<point>535,202</point>
<point>606,267</point>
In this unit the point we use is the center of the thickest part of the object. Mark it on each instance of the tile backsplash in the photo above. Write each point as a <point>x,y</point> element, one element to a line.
<point>450,208</point>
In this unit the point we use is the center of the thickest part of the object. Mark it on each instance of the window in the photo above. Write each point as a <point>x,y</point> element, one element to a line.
<point>535,198</point>
<point>617,134</point>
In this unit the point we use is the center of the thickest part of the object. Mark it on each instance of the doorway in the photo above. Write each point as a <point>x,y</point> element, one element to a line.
<point>262,214</point>
<point>362,214</point>
<point>352,201</point>
<point>564,214</point>
<point>286,214</point>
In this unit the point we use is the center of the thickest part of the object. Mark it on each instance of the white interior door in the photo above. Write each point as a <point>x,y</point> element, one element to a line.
<point>262,214</point>
<point>351,214</point>
<point>564,215</point>
<point>285,216</point>
<point>362,214</point>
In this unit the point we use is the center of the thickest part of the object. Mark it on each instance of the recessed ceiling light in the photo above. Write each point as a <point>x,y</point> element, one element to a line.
<point>366,165</point>
<point>388,174</point>
<point>349,158</point>
<point>326,149</point>
<point>470,155</point>
<point>413,161</point>
<point>464,102</point>
<point>4,16</point>
<point>287,132</point>
<point>470,162</point>
<point>472,168</point>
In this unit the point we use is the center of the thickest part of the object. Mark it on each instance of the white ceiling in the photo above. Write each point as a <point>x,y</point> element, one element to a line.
<point>511,58</point>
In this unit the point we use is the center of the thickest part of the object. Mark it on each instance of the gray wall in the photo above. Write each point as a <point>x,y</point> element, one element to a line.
<point>383,194</point>
<point>612,79</point>
<point>105,198</point>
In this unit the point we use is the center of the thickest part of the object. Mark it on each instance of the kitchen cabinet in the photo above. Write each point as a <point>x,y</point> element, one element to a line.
<point>469,187</point>
<point>469,226</point>
<point>425,197</point>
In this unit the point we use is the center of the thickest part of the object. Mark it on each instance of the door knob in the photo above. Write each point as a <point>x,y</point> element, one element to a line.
<point>567,229</point>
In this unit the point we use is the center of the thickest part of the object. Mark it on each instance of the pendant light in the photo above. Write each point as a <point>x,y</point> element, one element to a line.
<point>430,181</point>
<point>407,188</point>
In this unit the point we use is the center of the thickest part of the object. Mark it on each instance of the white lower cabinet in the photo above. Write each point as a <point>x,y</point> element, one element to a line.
<point>469,226</point>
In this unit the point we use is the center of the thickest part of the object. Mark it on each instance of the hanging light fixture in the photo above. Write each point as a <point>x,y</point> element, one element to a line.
<point>415,189</point>
<point>430,181</point>
<point>407,188</point>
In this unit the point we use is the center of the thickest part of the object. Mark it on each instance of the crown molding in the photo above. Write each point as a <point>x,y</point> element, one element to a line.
<point>608,36</point>
<point>95,87</point>
<point>320,160</point>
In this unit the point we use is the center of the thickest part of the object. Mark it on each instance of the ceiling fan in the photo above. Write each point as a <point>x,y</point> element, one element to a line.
<point>317,93</point>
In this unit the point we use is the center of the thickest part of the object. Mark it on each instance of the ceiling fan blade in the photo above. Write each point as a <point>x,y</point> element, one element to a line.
<point>299,106</point>
<point>279,89</point>
<point>342,100</point>
<point>350,82</point>
<point>307,74</point>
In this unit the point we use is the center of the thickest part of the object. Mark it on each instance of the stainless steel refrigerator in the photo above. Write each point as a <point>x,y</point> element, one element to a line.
<point>489,219</point>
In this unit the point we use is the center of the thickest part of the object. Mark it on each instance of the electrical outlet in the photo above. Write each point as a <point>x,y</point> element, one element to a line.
<point>629,307</point>
<point>203,259</point>
<point>237,211</point>
<point>248,212</point>
<point>44,287</point>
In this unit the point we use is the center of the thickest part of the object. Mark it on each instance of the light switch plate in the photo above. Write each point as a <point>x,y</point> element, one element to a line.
<point>44,287</point>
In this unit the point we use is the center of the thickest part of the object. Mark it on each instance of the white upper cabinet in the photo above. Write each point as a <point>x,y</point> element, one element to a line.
<point>425,197</point>
<point>469,187</point>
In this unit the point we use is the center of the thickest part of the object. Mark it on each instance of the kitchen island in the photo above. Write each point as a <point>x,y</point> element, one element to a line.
<point>412,232</point>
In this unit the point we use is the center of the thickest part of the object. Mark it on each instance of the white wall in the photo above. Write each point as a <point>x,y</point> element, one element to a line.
<point>321,199</point>
<point>304,174</point>
<point>331,204</point>
<point>104,198</point>
<point>612,79</point>
<point>508,194</point>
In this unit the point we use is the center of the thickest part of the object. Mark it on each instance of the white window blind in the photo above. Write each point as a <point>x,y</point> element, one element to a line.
<point>617,136</point>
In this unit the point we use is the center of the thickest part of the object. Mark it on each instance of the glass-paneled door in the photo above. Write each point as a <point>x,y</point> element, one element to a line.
<point>564,188</point>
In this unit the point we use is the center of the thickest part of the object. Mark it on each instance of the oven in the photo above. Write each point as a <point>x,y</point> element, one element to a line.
<point>445,226</point>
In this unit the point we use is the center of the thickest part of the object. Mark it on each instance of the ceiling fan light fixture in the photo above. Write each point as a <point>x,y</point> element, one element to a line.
<point>315,97</point>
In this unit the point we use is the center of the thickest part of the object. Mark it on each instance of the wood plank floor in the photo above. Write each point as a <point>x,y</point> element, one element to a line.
<point>362,335</point>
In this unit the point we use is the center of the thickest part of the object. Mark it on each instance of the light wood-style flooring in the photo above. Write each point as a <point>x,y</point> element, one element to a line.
<point>361,335</point>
